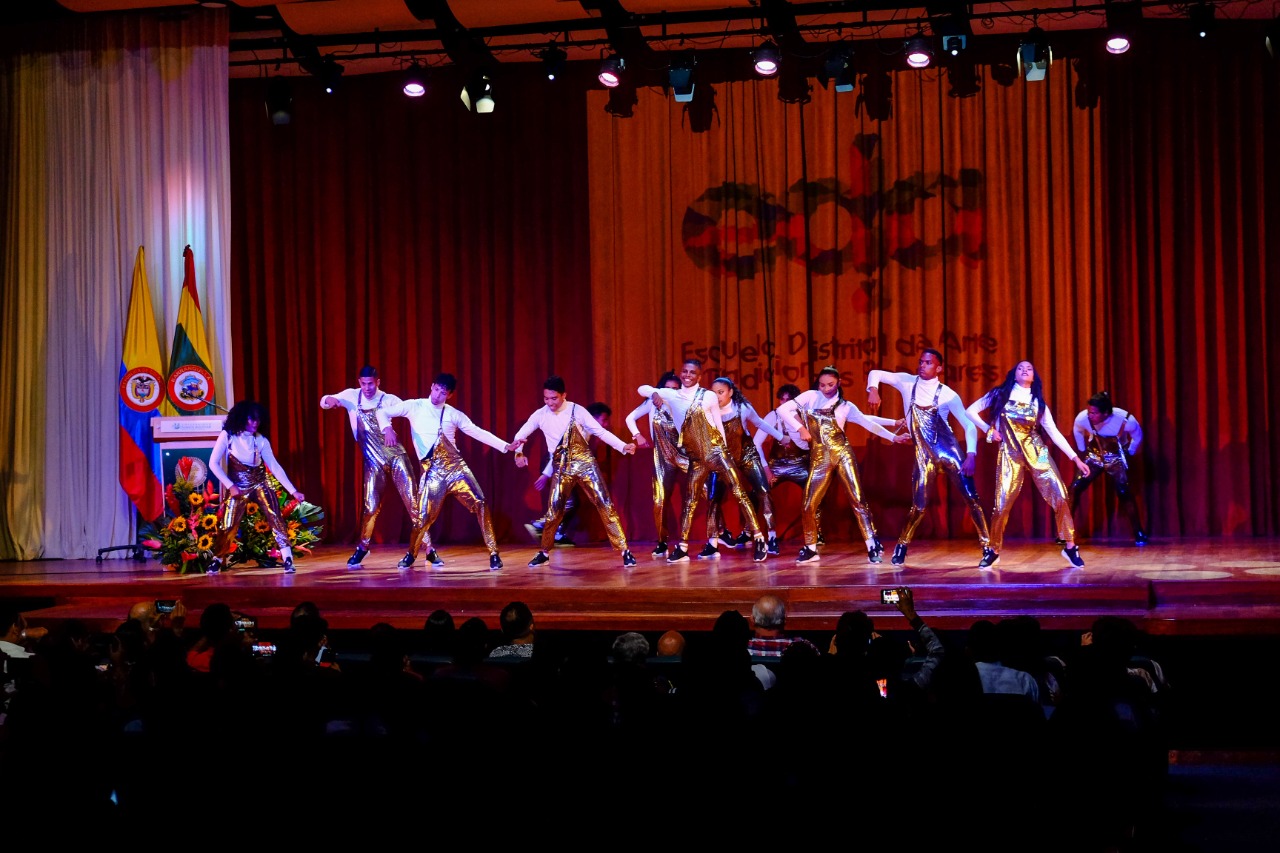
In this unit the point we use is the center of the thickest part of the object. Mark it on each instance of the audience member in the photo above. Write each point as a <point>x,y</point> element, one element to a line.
<point>438,635</point>
<point>987,651</point>
<point>671,645</point>
<point>516,624</point>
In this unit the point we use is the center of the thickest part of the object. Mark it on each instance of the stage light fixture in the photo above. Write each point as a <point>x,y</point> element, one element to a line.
<point>553,59</point>
<point>477,94</point>
<point>415,81</point>
<point>1122,21</point>
<point>680,77</point>
<point>611,68</point>
<point>766,59</point>
<point>1202,19</point>
<point>954,44</point>
<point>919,53</point>
<point>836,68</point>
<point>1034,55</point>
<point>329,73</point>
<point>279,101</point>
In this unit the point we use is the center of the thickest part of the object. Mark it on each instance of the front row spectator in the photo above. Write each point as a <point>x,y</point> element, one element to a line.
<point>516,623</point>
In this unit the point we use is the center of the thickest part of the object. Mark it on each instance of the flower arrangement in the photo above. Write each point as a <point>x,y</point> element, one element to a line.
<point>184,536</point>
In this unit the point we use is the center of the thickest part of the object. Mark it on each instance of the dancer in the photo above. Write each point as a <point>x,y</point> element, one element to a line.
<point>825,412</point>
<point>927,403</point>
<point>566,427</point>
<point>602,413</point>
<point>244,476</point>
<point>702,436</point>
<point>435,426</point>
<point>667,457</point>
<point>735,414</point>
<point>1020,414</point>
<point>1107,437</point>
<point>381,458</point>
<point>788,459</point>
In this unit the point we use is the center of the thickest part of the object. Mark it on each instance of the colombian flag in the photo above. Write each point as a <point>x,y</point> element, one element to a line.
<point>141,393</point>
<point>190,382</point>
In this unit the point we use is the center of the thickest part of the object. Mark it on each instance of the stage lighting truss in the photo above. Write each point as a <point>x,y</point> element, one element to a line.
<point>414,84</point>
<point>766,59</point>
<point>611,68</point>
<point>918,50</point>
<point>1035,55</point>
<point>680,77</point>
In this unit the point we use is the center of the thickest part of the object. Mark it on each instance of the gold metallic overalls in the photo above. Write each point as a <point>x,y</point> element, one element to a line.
<point>1105,454</point>
<point>1023,450</point>
<point>379,460</point>
<point>791,464</point>
<point>742,449</point>
<point>708,454</point>
<point>573,463</point>
<point>936,449</point>
<point>252,482</point>
<point>831,455</point>
<point>667,462</point>
<point>445,472</point>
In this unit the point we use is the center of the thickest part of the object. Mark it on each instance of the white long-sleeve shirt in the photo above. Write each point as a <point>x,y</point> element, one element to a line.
<point>427,421</point>
<point>555,424</point>
<point>750,417</point>
<point>1120,423</point>
<point>773,420</point>
<point>352,400</point>
<point>949,402</point>
<point>640,411</point>
<point>681,399</point>
<point>812,400</point>
<point>1021,394</point>
<point>248,448</point>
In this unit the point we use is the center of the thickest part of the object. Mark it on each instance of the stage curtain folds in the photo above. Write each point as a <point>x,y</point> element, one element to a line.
<point>114,137</point>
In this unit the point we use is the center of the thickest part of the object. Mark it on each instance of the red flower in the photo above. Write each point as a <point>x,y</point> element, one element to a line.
<point>288,508</point>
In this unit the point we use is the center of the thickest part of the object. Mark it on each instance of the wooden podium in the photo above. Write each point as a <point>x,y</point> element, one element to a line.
<point>184,435</point>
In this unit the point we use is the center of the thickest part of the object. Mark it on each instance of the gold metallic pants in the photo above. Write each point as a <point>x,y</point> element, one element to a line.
<point>252,482</point>
<point>828,462</point>
<point>375,482</point>
<point>587,476</point>
<point>446,473</point>
<point>932,459</point>
<point>753,473</point>
<point>700,471</point>
<point>1117,471</point>
<point>1022,455</point>
<point>664,481</point>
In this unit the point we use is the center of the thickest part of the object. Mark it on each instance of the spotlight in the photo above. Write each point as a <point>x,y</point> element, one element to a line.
<point>1202,21</point>
<point>279,101</point>
<point>553,59</point>
<point>1122,19</point>
<point>415,81</point>
<point>954,44</point>
<point>1034,55</point>
<point>766,58</point>
<point>477,94</point>
<point>919,53</point>
<point>329,73</point>
<point>611,68</point>
<point>680,77</point>
<point>835,67</point>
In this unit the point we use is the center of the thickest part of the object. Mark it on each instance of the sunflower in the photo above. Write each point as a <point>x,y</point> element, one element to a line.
<point>251,508</point>
<point>205,542</point>
<point>209,522</point>
<point>261,527</point>
<point>293,537</point>
<point>195,499</point>
<point>178,525</point>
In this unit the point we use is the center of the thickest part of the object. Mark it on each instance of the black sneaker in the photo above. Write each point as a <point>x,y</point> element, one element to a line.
<point>215,566</point>
<point>1073,557</point>
<point>990,558</point>
<point>495,562</point>
<point>727,538</point>
<point>628,559</point>
<point>541,559</point>
<point>899,554</point>
<point>773,545</point>
<point>807,555</point>
<point>289,569</point>
<point>660,550</point>
<point>873,554</point>
<point>405,562</point>
<point>434,559</point>
<point>744,539</point>
<point>1140,538</point>
<point>354,559</point>
<point>709,552</point>
<point>678,555</point>
<point>760,551</point>
<point>822,540</point>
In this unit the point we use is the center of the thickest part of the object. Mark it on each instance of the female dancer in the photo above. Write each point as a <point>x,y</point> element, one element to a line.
<point>1107,437</point>
<point>825,412</point>
<point>735,413</point>
<point>1020,414</point>
<point>667,460</point>
<point>248,458</point>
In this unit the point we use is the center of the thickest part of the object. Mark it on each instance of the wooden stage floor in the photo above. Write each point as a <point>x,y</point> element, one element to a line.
<point>1170,587</point>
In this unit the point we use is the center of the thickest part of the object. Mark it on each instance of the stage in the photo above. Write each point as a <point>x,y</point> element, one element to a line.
<point>1183,587</point>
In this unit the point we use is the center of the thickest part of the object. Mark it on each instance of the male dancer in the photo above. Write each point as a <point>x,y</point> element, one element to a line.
<point>825,413</point>
<point>697,416</point>
<point>927,403</point>
<point>1107,437</point>
<point>435,426</point>
<point>602,413</point>
<point>566,427</point>
<point>381,459</point>
<point>667,458</point>
<point>788,459</point>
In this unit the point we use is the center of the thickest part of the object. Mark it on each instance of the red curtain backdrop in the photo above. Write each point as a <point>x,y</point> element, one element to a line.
<point>1118,242</point>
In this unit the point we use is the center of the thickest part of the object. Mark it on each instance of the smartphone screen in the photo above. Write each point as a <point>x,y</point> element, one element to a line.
<point>165,605</point>
<point>888,596</point>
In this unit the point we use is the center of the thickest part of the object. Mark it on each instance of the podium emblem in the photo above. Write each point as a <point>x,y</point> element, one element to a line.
<point>190,388</point>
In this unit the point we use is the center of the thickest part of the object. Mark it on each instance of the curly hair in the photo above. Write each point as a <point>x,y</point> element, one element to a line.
<point>240,415</point>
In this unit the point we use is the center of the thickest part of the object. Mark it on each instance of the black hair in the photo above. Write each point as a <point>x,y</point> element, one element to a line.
<point>554,383</point>
<point>515,620</point>
<point>696,362</point>
<point>1102,402</point>
<point>830,370</point>
<point>999,395</point>
<point>934,353</point>
<point>669,376</point>
<point>792,391</point>
<point>598,409</point>
<point>447,381</point>
<point>240,414</point>
<point>733,389</point>
<point>367,371</point>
